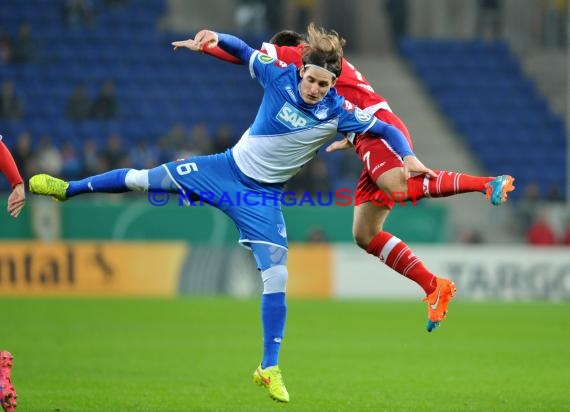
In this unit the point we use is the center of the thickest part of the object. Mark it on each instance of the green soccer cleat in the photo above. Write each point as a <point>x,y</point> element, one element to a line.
<point>271,379</point>
<point>47,185</point>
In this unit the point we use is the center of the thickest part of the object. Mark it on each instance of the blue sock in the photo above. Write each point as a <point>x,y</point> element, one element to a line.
<point>109,182</point>
<point>273,315</point>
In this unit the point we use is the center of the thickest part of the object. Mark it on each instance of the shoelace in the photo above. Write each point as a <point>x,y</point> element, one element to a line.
<point>53,184</point>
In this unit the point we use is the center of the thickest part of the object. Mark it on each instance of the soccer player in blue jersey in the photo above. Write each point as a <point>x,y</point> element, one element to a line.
<point>299,112</point>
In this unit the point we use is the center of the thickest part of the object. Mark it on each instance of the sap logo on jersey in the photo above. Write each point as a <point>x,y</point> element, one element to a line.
<point>293,118</point>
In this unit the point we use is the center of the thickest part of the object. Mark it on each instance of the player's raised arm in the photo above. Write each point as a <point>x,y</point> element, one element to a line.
<point>221,54</point>
<point>235,46</point>
<point>8,167</point>
<point>290,55</point>
<point>210,49</point>
<point>207,40</point>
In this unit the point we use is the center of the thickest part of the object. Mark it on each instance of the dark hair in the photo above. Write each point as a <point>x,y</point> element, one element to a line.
<point>287,38</point>
<point>324,49</point>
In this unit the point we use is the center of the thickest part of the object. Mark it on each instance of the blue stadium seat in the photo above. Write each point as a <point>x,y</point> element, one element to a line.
<point>480,86</point>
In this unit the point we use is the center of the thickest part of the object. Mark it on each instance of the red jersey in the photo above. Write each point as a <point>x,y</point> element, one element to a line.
<point>351,84</point>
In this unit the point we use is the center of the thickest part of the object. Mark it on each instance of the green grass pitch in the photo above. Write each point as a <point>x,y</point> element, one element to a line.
<point>197,354</point>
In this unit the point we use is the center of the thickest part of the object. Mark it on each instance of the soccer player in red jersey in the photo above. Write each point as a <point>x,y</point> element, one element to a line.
<point>8,396</point>
<point>16,202</point>
<point>384,172</point>
<point>8,167</point>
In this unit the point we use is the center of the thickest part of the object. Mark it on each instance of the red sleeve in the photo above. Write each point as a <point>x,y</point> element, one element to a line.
<point>8,166</point>
<point>222,55</point>
<point>290,54</point>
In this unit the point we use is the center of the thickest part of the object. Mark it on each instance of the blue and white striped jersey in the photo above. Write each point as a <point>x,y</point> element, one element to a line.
<point>287,132</point>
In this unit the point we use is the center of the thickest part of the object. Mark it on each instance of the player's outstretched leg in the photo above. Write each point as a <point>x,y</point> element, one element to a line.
<point>271,379</point>
<point>452,183</point>
<point>47,185</point>
<point>438,301</point>
<point>498,188</point>
<point>7,392</point>
<point>113,181</point>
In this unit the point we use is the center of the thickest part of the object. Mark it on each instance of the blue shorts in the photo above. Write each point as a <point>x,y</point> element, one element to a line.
<point>254,207</point>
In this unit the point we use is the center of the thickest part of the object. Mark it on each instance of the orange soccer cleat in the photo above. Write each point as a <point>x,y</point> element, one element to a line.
<point>7,392</point>
<point>437,302</point>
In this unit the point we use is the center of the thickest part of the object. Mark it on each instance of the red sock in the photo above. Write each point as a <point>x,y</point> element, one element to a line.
<point>396,254</point>
<point>445,184</point>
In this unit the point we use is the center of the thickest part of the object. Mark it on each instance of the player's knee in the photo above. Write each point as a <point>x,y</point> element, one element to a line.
<point>137,180</point>
<point>363,235</point>
<point>274,279</point>
<point>361,240</point>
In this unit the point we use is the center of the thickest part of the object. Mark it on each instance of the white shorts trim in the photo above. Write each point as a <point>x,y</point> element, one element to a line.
<point>242,241</point>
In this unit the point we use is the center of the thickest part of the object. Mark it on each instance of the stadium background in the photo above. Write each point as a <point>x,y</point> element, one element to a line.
<point>482,86</point>
<point>112,303</point>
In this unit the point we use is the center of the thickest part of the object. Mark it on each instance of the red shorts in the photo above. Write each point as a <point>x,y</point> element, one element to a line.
<point>377,158</point>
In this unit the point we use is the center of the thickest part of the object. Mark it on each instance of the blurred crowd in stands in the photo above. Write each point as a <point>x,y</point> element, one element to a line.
<point>74,159</point>
<point>20,49</point>
<point>80,107</point>
<point>542,220</point>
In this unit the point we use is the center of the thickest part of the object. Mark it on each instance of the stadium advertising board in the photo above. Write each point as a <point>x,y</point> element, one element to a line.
<point>315,271</point>
<point>90,268</point>
<point>480,272</point>
<point>310,268</point>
